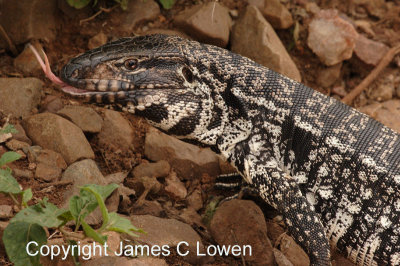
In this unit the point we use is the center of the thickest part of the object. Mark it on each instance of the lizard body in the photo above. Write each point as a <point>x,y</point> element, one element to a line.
<point>333,172</point>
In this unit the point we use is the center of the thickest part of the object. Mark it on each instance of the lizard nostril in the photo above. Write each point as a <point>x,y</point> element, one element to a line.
<point>187,74</point>
<point>75,73</point>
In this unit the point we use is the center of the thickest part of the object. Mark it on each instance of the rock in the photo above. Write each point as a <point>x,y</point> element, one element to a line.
<point>21,135</point>
<point>144,185</point>
<point>174,187</point>
<point>312,8</point>
<point>3,226</point>
<point>246,220</point>
<point>32,152</point>
<point>339,91</point>
<point>387,113</point>
<point>369,51</point>
<point>51,158</point>
<point>14,144</point>
<point>31,19</point>
<point>97,40</point>
<point>293,251</point>
<point>169,232</point>
<point>18,96</point>
<point>5,137</point>
<point>195,199</point>
<point>6,211</point>
<point>275,13</point>
<point>138,12</point>
<point>26,61</point>
<point>82,173</point>
<point>79,174</point>
<point>113,243</point>
<point>226,168</point>
<point>376,8</point>
<point>116,131</point>
<point>22,173</point>
<point>158,169</point>
<point>254,37</point>
<point>382,90</point>
<point>51,104</point>
<point>84,117</point>
<point>339,260</point>
<point>190,216</point>
<point>124,198</point>
<point>168,32</point>
<point>148,207</point>
<point>58,134</point>
<point>53,132</point>
<point>123,261</point>
<point>281,259</point>
<point>47,172</point>
<point>274,231</point>
<point>327,76</point>
<point>331,38</point>
<point>209,23</point>
<point>365,26</point>
<point>187,160</point>
<point>116,178</point>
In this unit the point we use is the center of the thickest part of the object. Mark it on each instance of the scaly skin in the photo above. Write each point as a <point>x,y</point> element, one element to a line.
<point>332,172</point>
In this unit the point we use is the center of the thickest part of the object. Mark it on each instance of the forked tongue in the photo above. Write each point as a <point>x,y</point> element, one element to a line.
<point>50,75</point>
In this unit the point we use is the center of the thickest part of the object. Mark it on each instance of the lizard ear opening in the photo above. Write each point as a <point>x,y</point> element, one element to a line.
<point>187,74</point>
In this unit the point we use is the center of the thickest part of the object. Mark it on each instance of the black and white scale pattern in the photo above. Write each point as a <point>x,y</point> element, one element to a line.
<point>332,172</point>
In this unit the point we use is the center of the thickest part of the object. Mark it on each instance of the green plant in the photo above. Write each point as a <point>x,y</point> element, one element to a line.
<point>29,224</point>
<point>167,4</point>
<point>8,128</point>
<point>78,4</point>
<point>8,184</point>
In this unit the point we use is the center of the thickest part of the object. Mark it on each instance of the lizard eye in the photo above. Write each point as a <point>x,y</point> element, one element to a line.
<point>130,64</point>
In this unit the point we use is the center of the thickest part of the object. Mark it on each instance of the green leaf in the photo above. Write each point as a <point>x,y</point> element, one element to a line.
<point>103,191</point>
<point>78,4</point>
<point>8,184</point>
<point>122,3</point>
<point>99,192</point>
<point>210,210</point>
<point>9,157</point>
<point>66,217</point>
<point>26,196</point>
<point>16,237</point>
<point>90,232</point>
<point>122,225</point>
<point>8,129</point>
<point>167,4</point>
<point>80,206</point>
<point>44,213</point>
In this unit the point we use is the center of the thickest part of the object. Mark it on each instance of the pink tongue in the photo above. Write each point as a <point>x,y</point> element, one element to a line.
<point>50,75</point>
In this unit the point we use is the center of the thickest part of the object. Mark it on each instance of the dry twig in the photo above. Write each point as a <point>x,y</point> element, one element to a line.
<point>348,99</point>
<point>102,9</point>
<point>9,42</point>
<point>57,183</point>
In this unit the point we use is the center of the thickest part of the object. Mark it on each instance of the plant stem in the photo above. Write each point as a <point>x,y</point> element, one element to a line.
<point>14,199</point>
<point>71,234</point>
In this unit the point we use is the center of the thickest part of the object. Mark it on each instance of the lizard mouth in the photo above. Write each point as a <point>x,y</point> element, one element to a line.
<point>98,96</point>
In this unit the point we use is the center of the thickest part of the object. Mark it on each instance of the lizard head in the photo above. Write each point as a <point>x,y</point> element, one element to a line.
<point>156,77</point>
